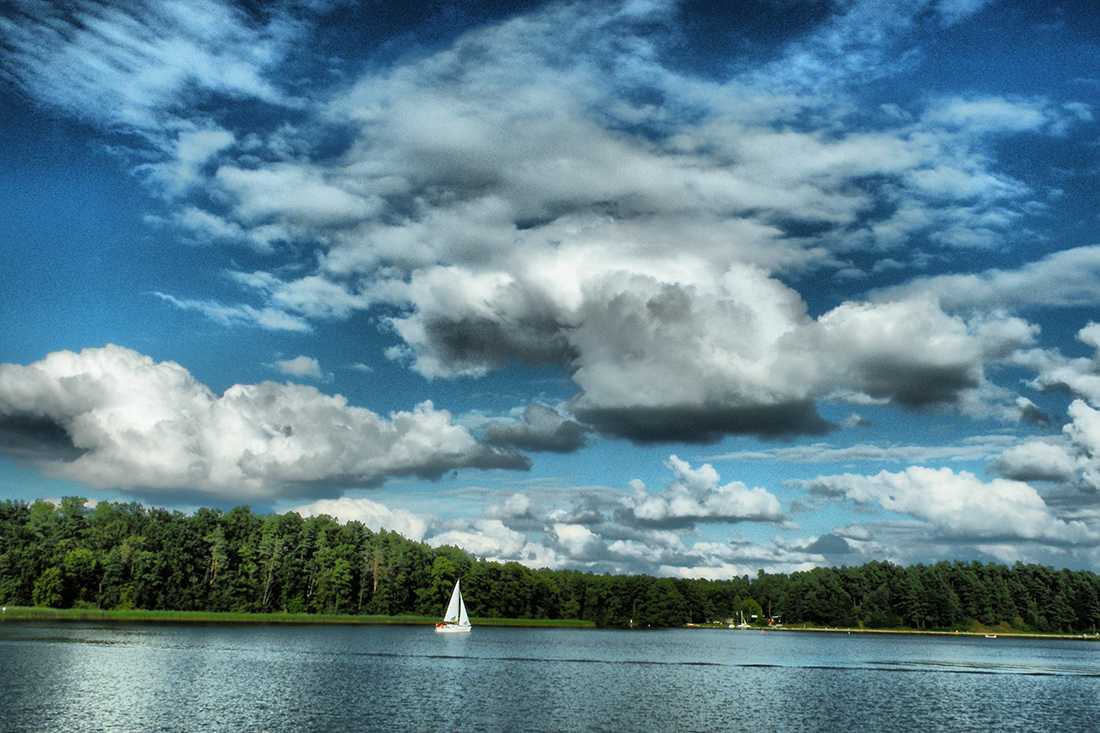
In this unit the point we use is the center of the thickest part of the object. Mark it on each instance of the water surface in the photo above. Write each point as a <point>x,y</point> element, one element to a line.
<point>282,679</point>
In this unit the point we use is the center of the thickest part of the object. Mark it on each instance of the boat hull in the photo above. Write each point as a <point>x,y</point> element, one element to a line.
<point>452,629</point>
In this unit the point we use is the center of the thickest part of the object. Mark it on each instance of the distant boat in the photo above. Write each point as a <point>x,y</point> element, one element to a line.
<point>455,621</point>
<point>741,625</point>
<point>991,636</point>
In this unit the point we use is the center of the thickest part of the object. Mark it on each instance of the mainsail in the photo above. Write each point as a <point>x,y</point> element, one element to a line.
<point>455,619</point>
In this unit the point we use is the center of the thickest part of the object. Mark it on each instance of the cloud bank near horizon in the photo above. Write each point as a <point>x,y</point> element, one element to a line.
<point>112,418</point>
<point>121,420</point>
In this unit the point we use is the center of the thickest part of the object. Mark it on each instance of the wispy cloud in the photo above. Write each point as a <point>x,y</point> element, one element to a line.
<point>1065,279</point>
<point>141,64</point>
<point>975,449</point>
<point>241,315</point>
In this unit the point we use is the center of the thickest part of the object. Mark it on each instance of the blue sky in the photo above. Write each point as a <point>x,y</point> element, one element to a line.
<point>689,289</point>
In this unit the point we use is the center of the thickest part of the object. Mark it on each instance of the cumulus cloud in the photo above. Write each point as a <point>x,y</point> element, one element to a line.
<point>1079,377</point>
<point>150,427</point>
<point>696,496</point>
<point>1037,460</point>
<point>490,539</point>
<point>1083,431</point>
<point>712,355</point>
<point>579,542</point>
<point>301,366</point>
<point>960,506</point>
<point>611,530</point>
<point>373,515</point>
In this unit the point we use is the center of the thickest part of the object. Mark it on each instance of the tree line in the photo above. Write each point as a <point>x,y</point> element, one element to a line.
<point>126,556</point>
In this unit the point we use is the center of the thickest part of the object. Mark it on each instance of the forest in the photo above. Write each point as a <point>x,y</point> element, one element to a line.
<point>126,556</point>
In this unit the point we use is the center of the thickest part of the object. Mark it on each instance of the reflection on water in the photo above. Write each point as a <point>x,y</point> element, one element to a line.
<point>143,677</point>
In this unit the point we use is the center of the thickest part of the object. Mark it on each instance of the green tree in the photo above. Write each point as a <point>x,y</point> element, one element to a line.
<point>50,588</point>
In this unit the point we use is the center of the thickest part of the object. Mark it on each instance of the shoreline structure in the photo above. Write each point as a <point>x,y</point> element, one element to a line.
<point>993,632</point>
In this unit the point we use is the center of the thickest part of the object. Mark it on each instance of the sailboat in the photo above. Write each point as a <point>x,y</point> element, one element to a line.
<point>455,621</point>
<point>741,625</point>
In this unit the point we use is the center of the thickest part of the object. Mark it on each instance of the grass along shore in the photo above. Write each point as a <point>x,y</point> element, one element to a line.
<point>995,632</point>
<point>27,613</point>
<point>35,613</point>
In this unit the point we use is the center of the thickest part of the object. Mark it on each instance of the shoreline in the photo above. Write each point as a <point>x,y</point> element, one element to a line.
<point>29,613</point>
<point>991,633</point>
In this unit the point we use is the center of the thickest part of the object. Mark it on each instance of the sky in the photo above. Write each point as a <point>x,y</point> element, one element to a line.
<point>689,289</point>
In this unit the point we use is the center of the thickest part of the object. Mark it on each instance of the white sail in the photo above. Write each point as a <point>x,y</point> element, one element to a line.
<point>463,619</point>
<point>455,606</point>
<point>455,619</point>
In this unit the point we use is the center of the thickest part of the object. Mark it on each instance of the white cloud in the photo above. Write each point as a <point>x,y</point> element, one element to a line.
<point>959,505</point>
<point>295,195</point>
<point>1077,376</point>
<point>1037,460</point>
<point>312,296</point>
<point>271,319</point>
<point>301,366</point>
<point>542,428</point>
<point>1069,278</point>
<point>988,114</point>
<point>371,514</point>
<point>978,448</point>
<point>579,542</point>
<point>151,428</point>
<point>1084,431</point>
<point>696,496</point>
<point>193,148</point>
<point>492,540</point>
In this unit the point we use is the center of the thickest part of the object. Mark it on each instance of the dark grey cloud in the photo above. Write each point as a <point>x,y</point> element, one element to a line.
<point>1031,413</point>
<point>541,429</point>
<point>829,544</point>
<point>30,437</point>
<point>704,424</point>
<point>475,344</point>
<point>918,386</point>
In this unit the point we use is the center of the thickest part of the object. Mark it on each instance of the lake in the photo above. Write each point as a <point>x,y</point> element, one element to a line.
<point>138,678</point>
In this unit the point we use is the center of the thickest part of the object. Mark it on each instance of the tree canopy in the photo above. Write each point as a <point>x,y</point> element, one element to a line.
<point>124,556</point>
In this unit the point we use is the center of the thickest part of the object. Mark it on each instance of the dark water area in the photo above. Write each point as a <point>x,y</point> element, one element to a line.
<point>281,679</point>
